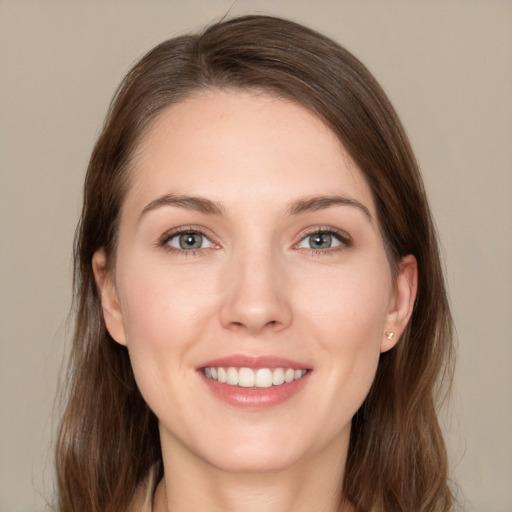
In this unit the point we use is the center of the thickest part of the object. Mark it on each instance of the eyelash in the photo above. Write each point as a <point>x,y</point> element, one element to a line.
<point>168,236</point>
<point>344,240</point>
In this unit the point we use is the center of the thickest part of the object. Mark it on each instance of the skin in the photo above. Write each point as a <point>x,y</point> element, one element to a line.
<point>255,287</point>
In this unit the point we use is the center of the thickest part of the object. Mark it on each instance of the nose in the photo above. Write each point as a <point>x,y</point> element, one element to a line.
<point>255,294</point>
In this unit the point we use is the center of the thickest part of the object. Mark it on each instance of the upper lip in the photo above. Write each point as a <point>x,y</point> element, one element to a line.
<point>254,362</point>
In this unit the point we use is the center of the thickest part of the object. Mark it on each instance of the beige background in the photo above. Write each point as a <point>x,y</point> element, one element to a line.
<point>447,66</point>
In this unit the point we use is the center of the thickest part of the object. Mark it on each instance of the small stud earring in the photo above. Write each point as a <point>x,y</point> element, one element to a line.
<point>389,335</point>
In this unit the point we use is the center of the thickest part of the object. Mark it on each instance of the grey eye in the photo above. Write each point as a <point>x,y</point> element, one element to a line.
<point>319,241</point>
<point>190,240</point>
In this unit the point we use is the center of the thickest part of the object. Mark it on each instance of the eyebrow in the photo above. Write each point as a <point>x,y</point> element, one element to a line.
<point>209,207</point>
<point>322,202</point>
<point>198,204</point>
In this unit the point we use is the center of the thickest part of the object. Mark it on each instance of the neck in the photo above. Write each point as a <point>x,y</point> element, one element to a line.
<point>190,483</point>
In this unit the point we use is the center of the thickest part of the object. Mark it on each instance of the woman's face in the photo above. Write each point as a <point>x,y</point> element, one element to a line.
<point>249,251</point>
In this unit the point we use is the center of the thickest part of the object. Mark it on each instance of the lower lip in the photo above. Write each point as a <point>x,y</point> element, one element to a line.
<point>255,398</point>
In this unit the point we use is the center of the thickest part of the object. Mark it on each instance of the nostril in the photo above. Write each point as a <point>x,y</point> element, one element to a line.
<point>237,325</point>
<point>242,326</point>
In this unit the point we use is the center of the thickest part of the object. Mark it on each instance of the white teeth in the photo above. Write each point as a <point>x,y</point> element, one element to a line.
<point>232,376</point>
<point>221,375</point>
<point>278,377</point>
<point>246,378</point>
<point>249,378</point>
<point>263,378</point>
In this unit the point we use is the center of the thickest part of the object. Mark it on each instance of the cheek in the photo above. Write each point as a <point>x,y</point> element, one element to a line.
<point>347,319</point>
<point>162,304</point>
<point>349,304</point>
<point>165,319</point>
<point>164,315</point>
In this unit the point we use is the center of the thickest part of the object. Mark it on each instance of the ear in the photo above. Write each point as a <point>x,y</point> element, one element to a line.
<point>402,303</point>
<point>108,294</point>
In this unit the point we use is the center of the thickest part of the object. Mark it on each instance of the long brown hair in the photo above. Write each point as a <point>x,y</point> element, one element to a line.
<point>108,438</point>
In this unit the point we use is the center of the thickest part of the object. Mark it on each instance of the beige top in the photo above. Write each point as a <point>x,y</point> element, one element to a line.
<point>143,498</point>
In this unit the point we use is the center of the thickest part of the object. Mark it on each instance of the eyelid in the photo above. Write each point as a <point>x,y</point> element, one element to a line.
<point>342,236</point>
<point>171,233</point>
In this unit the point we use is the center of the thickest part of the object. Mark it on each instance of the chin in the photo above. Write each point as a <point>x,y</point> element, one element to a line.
<point>260,453</point>
<point>261,463</point>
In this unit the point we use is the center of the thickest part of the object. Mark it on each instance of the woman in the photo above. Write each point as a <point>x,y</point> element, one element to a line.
<point>262,322</point>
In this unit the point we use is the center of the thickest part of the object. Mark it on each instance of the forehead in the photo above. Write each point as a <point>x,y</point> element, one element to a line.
<point>245,146</point>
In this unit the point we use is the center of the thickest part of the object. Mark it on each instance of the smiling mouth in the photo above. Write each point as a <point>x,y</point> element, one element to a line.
<point>253,378</point>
